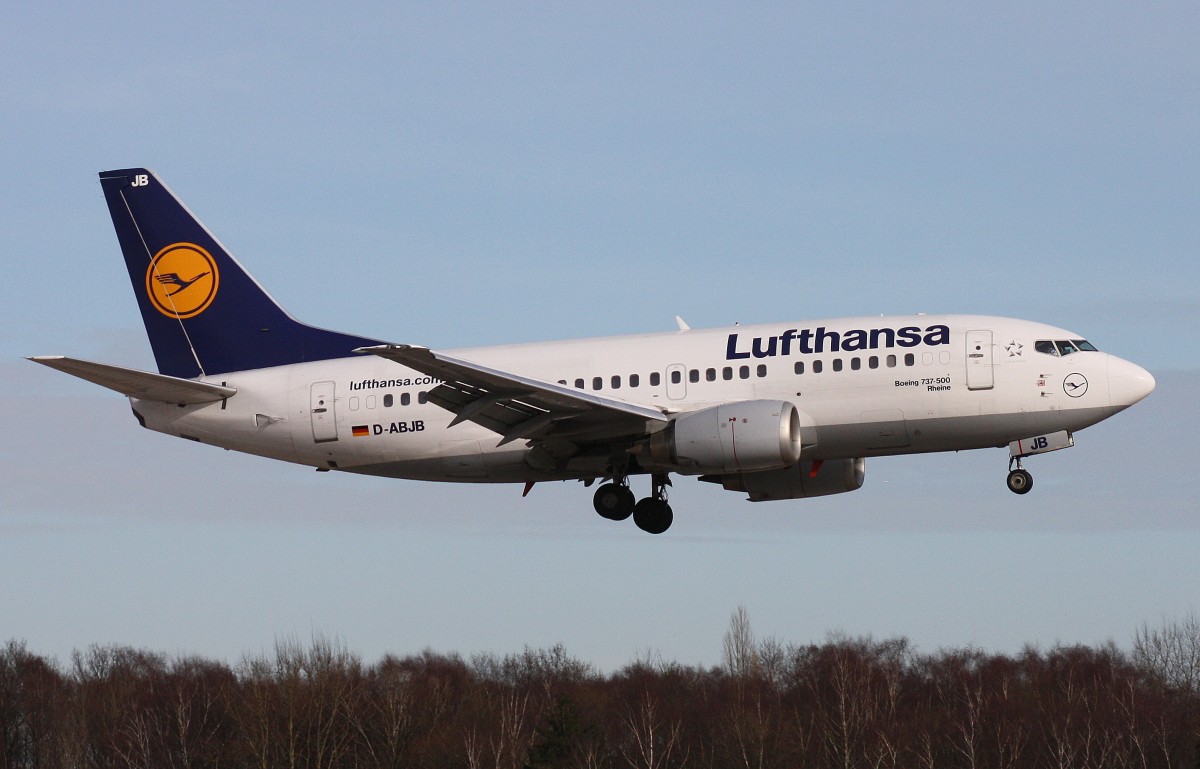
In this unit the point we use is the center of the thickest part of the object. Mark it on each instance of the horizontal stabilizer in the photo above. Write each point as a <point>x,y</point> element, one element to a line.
<point>138,384</point>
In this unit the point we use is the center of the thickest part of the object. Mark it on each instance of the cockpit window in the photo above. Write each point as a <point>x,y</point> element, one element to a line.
<point>1062,347</point>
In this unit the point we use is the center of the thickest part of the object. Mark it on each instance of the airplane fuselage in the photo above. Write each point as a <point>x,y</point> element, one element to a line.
<point>864,387</point>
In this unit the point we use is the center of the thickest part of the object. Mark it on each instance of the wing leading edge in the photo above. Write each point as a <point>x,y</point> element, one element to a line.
<point>558,418</point>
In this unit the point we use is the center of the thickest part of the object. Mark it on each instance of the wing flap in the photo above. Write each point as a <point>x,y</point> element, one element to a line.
<point>138,384</point>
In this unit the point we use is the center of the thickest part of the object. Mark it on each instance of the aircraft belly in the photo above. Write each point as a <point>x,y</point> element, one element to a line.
<point>950,433</point>
<point>486,467</point>
<point>884,429</point>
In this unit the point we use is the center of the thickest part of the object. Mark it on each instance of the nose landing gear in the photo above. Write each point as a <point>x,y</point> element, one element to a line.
<point>1019,480</point>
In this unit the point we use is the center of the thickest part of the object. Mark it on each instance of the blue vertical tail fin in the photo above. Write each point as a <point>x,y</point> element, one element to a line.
<point>204,313</point>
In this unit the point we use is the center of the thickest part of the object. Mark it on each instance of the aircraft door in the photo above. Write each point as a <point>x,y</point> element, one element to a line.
<point>321,407</point>
<point>676,381</point>
<point>980,374</point>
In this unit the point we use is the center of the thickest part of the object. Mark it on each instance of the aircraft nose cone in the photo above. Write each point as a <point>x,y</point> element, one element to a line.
<point>1128,382</point>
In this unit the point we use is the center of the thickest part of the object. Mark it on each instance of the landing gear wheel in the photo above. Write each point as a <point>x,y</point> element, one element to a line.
<point>653,516</point>
<point>1020,481</point>
<point>613,501</point>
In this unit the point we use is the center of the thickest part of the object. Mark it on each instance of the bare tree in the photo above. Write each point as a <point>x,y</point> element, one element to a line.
<point>652,739</point>
<point>855,689</point>
<point>39,720</point>
<point>385,721</point>
<point>1171,652</point>
<point>738,651</point>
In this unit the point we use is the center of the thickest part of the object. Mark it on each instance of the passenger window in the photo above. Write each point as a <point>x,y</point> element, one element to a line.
<point>562,382</point>
<point>634,380</point>
<point>694,375</point>
<point>354,403</point>
<point>422,397</point>
<point>744,372</point>
<point>873,361</point>
<point>579,384</point>
<point>837,364</point>
<point>910,359</point>
<point>387,401</point>
<point>727,373</point>
<point>762,371</point>
<point>655,379</point>
<point>818,366</point>
<point>799,367</point>
<point>891,361</point>
<point>597,382</point>
<point>405,399</point>
<point>616,382</point>
<point>710,374</point>
<point>855,364</point>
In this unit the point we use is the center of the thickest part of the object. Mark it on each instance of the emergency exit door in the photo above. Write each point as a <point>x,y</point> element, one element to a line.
<point>676,381</point>
<point>980,375</point>
<point>324,419</point>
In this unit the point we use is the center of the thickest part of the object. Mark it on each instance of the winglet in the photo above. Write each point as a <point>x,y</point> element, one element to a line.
<point>682,326</point>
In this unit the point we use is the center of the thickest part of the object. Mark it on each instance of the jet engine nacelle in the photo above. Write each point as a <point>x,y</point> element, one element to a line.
<point>805,479</point>
<point>746,436</point>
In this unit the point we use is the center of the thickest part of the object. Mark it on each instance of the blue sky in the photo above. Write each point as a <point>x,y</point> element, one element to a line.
<point>467,174</point>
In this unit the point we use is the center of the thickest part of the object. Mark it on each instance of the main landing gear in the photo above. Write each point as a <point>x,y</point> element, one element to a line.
<point>615,502</point>
<point>1019,480</point>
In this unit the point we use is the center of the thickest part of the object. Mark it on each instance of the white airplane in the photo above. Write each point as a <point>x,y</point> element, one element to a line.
<point>776,411</point>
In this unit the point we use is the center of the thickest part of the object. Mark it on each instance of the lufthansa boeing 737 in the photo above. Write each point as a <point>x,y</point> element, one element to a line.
<point>776,411</point>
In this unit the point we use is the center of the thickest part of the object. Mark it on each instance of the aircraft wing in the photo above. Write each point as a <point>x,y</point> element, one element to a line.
<point>517,407</point>
<point>138,384</point>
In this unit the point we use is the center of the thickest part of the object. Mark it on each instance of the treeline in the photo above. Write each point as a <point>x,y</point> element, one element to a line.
<point>847,702</point>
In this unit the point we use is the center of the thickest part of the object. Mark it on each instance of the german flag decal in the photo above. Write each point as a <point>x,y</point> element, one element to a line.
<point>360,431</point>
